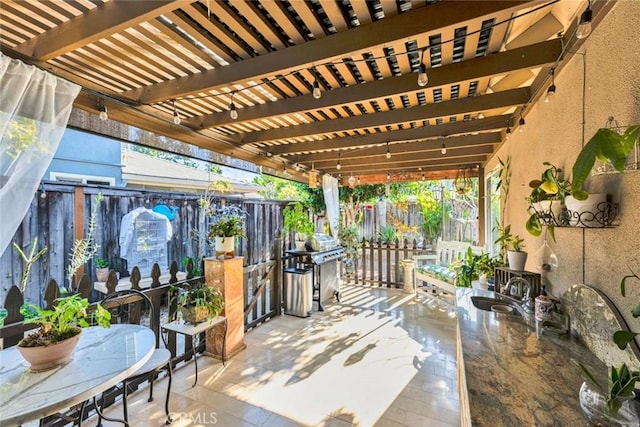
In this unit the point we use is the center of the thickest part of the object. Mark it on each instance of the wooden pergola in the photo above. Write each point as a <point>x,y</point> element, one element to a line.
<point>147,62</point>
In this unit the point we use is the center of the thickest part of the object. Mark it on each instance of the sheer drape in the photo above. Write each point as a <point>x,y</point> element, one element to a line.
<point>330,191</point>
<point>34,110</point>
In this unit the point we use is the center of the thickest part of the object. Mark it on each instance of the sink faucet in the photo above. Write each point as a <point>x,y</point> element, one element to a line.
<point>522,291</point>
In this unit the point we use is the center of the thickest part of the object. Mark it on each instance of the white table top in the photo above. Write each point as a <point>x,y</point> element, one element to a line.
<point>190,329</point>
<point>103,358</point>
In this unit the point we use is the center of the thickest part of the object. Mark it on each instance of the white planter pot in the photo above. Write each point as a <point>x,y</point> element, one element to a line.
<point>583,212</point>
<point>301,245</point>
<point>517,260</point>
<point>226,246</point>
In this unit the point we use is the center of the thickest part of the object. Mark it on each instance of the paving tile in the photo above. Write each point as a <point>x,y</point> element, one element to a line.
<point>376,358</point>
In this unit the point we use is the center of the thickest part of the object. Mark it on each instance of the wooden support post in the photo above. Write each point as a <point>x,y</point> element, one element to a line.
<point>482,207</point>
<point>226,275</point>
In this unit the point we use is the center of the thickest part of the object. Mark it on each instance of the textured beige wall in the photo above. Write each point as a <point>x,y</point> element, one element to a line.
<point>554,133</point>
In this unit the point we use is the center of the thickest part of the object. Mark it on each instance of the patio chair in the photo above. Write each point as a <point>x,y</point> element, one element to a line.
<point>129,306</point>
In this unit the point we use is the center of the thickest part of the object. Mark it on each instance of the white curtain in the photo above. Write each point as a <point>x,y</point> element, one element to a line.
<point>34,110</point>
<point>330,191</point>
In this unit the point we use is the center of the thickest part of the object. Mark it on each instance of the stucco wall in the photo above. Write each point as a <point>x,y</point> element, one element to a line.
<point>554,133</point>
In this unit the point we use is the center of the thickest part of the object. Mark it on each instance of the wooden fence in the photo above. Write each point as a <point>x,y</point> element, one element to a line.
<point>381,264</point>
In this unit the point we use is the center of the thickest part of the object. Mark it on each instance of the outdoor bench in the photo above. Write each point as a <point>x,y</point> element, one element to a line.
<point>437,271</point>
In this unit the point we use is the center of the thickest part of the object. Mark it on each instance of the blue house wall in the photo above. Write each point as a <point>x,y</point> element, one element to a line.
<point>86,154</point>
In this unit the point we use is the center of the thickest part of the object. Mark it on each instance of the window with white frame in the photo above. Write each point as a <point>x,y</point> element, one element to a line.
<point>82,179</point>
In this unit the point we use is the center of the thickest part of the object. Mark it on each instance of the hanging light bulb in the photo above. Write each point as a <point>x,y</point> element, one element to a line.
<point>480,116</point>
<point>284,167</point>
<point>551,91</point>
<point>176,115</point>
<point>317,93</point>
<point>297,166</point>
<point>423,79</point>
<point>521,124</point>
<point>103,113</point>
<point>443,150</point>
<point>422,176</point>
<point>388,176</point>
<point>358,180</point>
<point>584,27</point>
<point>339,165</point>
<point>508,134</point>
<point>233,112</point>
<point>388,152</point>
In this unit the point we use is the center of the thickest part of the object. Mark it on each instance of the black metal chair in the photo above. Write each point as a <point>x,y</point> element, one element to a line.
<point>128,307</point>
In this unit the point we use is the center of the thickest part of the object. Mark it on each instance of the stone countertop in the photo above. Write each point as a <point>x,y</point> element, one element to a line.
<point>516,375</point>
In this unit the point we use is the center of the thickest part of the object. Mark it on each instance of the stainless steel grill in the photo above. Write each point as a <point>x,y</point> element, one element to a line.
<point>326,279</point>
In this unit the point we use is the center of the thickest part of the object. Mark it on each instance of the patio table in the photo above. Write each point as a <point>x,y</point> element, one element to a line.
<point>103,358</point>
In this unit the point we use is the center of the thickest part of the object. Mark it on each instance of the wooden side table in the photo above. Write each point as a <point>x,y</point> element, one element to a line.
<point>194,331</point>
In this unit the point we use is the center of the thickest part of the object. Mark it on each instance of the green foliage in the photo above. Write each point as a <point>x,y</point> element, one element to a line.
<point>201,295</point>
<point>275,188</point>
<point>101,263</point>
<point>28,260</point>
<point>387,235</point>
<point>59,323</point>
<point>227,222</point>
<point>504,183</point>
<point>508,241</point>
<point>432,213</point>
<point>608,146</point>
<point>349,239</point>
<point>195,271</point>
<point>550,186</point>
<point>20,134</point>
<point>84,249</point>
<point>470,267</point>
<point>296,220</point>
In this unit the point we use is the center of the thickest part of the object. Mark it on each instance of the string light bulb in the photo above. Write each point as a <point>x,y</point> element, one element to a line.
<point>388,155</point>
<point>443,150</point>
<point>103,113</point>
<point>521,124</point>
<point>297,166</point>
<point>176,115</point>
<point>508,134</point>
<point>551,91</point>
<point>423,79</point>
<point>233,112</point>
<point>388,176</point>
<point>584,27</point>
<point>339,165</point>
<point>317,93</point>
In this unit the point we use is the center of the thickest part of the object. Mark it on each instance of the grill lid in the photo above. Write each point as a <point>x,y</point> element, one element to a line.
<point>322,242</point>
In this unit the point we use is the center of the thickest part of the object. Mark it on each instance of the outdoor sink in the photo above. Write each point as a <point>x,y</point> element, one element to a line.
<point>497,305</point>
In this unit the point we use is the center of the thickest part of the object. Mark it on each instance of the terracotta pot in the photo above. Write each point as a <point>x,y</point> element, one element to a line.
<point>194,314</point>
<point>48,357</point>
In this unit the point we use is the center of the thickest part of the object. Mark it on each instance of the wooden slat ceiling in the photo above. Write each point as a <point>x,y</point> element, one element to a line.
<point>487,63</point>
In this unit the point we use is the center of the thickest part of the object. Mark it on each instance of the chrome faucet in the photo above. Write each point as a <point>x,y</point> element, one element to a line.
<point>522,292</point>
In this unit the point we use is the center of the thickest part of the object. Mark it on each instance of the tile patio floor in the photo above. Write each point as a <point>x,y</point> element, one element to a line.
<point>377,358</point>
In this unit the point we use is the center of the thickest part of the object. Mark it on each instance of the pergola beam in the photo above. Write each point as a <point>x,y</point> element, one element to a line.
<point>424,132</point>
<point>378,34</point>
<point>454,107</point>
<point>474,69</point>
<point>414,166</point>
<point>106,19</point>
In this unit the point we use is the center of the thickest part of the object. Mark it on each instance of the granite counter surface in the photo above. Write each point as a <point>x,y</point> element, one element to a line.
<point>515,374</point>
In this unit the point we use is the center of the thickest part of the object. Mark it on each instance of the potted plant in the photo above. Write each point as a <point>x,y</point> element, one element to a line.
<point>200,302</point>
<point>102,269</point>
<point>53,343</point>
<point>387,235</point>
<point>224,227</point>
<point>474,267</point>
<point>548,195</point>
<point>296,220</point>
<point>610,147</point>
<point>512,245</point>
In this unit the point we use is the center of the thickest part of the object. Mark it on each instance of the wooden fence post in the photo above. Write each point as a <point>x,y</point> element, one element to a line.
<point>277,275</point>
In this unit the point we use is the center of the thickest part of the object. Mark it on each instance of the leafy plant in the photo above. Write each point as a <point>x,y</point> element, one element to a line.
<point>195,271</point>
<point>349,239</point>
<point>227,222</point>
<point>508,241</point>
<point>608,146</point>
<point>84,249</point>
<point>387,235</point>
<point>297,220</point>
<point>101,263</point>
<point>550,186</point>
<point>201,295</point>
<point>470,267</point>
<point>63,321</point>
<point>28,261</point>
